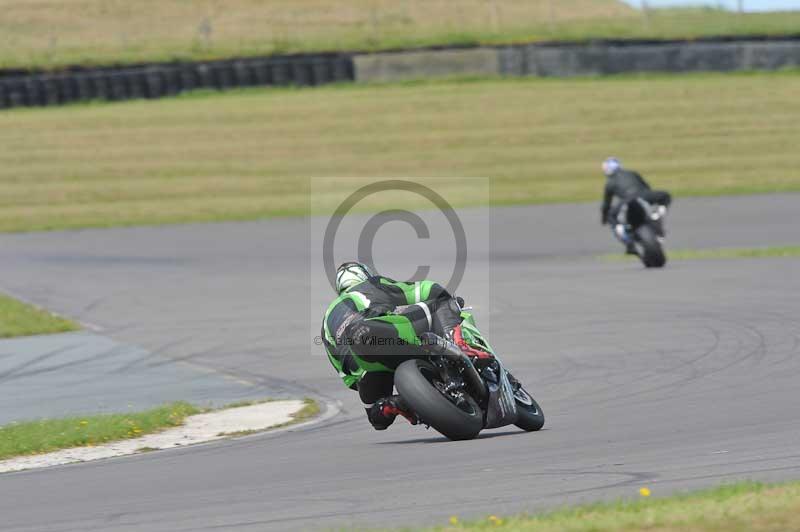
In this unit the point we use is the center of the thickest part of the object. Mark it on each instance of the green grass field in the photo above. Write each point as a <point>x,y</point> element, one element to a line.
<point>46,435</point>
<point>20,319</point>
<point>745,507</point>
<point>48,33</point>
<point>246,155</point>
<point>719,253</point>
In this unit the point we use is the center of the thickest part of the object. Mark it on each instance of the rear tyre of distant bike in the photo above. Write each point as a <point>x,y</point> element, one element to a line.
<point>421,386</point>
<point>529,415</point>
<point>649,248</point>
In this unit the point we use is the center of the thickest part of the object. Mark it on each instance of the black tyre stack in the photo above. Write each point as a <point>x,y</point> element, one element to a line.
<point>30,89</point>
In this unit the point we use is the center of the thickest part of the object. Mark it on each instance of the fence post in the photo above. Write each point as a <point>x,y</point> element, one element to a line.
<point>494,15</point>
<point>646,14</point>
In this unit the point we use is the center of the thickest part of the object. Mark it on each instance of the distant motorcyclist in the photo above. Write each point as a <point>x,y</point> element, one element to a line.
<point>622,186</point>
<point>360,333</point>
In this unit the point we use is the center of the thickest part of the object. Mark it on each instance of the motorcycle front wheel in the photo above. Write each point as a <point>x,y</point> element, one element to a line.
<point>529,414</point>
<point>419,383</point>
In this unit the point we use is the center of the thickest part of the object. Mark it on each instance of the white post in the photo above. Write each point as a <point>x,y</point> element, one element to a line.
<point>646,13</point>
<point>494,15</point>
<point>373,22</point>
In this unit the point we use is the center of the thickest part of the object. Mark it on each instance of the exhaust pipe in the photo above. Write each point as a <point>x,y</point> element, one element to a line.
<point>444,347</point>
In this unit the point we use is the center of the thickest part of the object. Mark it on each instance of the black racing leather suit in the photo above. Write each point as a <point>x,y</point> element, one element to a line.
<point>356,337</point>
<point>625,185</point>
<point>351,331</point>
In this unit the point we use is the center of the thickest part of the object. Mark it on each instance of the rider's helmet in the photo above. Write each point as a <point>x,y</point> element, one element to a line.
<point>611,165</point>
<point>350,274</point>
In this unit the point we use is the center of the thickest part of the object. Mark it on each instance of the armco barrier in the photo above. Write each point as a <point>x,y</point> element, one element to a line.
<point>394,66</point>
<point>157,81</point>
<point>616,58</point>
<point>597,58</point>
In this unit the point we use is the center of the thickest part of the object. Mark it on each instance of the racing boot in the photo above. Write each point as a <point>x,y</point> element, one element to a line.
<point>447,316</point>
<point>384,411</point>
<point>623,236</point>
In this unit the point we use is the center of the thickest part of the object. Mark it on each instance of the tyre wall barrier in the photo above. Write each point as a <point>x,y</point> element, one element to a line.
<point>544,59</point>
<point>158,81</point>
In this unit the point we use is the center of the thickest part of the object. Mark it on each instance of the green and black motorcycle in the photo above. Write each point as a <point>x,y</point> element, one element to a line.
<point>460,387</point>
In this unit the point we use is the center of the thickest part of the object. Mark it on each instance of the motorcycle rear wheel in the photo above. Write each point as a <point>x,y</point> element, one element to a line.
<point>420,385</point>
<point>649,248</point>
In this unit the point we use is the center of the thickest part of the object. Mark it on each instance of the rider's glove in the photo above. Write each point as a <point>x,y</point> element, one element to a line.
<point>377,310</point>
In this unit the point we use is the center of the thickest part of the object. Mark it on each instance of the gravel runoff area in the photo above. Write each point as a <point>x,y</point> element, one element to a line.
<point>199,428</point>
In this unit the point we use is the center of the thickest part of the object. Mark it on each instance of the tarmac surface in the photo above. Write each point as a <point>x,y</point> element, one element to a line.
<point>81,373</point>
<point>674,379</point>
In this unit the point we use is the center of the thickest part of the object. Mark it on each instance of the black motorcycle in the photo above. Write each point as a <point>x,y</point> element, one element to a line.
<point>644,223</point>
<point>462,389</point>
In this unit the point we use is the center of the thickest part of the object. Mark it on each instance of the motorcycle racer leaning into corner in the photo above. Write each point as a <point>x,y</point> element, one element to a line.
<point>623,185</point>
<point>361,327</point>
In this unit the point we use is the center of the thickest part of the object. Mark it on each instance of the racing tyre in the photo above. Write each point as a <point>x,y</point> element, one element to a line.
<point>649,248</point>
<point>529,415</point>
<point>421,386</point>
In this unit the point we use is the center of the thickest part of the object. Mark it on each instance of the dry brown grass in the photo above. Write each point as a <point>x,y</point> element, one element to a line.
<point>53,33</point>
<point>250,154</point>
<point>63,31</point>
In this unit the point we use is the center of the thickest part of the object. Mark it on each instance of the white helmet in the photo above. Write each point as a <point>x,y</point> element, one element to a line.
<point>611,165</point>
<point>350,274</point>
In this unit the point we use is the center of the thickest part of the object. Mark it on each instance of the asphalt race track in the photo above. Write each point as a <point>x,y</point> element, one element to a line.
<point>80,373</point>
<point>674,379</point>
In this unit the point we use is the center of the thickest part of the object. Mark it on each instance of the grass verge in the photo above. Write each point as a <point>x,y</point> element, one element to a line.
<point>735,508</point>
<point>47,435</point>
<point>116,31</point>
<point>20,319</point>
<point>249,154</point>
<point>718,253</point>
<point>36,437</point>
